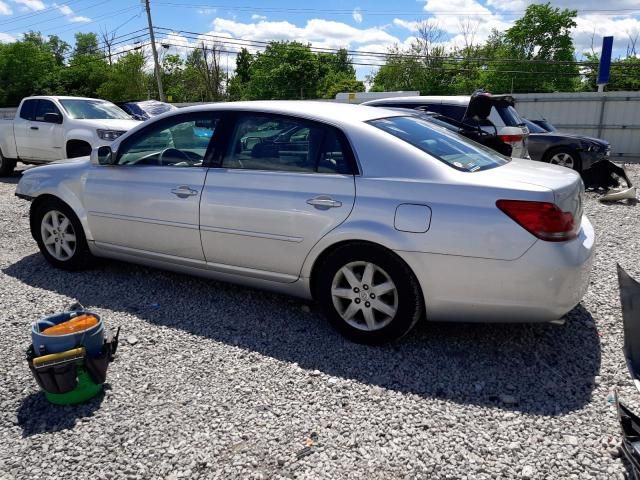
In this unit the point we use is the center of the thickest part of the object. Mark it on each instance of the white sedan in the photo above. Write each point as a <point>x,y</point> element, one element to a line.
<point>379,216</point>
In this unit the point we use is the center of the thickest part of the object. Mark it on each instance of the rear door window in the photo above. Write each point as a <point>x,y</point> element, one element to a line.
<point>272,142</point>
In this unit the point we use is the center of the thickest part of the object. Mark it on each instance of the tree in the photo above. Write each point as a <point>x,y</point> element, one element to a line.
<point>125,80</point>
<point>285,70</point>
<point>27,67</point>
<point>87,68</point>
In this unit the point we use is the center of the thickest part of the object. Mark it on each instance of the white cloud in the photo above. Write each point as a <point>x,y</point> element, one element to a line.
<point>207,11</point>
<point>33,5</point>
<point>5,9</point>
<point>357,15</point>
<point>79,19</point>
<point>319,32</point>
<point>6,38</point>
<point>68,12</point>
<point>64,9</point>
<point>409,25</point>
<point>255,16</point>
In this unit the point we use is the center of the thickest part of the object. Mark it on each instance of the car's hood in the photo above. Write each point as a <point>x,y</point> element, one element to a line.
<point>111,124</point>
<point>597,141</point>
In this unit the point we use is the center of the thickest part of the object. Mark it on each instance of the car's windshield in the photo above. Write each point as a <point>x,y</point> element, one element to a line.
<point>533,128</point>
<point>440,143</point>
<point>93,109</point>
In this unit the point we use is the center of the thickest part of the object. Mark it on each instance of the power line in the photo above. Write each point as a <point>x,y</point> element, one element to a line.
<point>373,55</point>
<point>30,15</point>
<point>24,27</point>
<point>253,8</point>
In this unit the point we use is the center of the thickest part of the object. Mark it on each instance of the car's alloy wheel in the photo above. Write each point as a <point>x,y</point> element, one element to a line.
<point>367,292</point>
<point>364,295</point>
<point>563,159</point>
<point>58,235</point>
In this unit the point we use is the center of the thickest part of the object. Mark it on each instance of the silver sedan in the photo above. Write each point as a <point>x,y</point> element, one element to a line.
<point>379,216</point>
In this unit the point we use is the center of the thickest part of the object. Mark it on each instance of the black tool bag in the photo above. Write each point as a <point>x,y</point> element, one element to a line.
<point>97,366</point>
<point>57,378</point>
<point>63,378</point>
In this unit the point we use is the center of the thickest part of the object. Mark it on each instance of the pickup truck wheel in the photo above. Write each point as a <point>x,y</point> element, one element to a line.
<point>78,148</point>
<point>60,235</point>
<point>6,166</point>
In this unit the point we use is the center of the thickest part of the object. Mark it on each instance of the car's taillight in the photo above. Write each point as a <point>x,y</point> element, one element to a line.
<point>511,138</point>
<point>542,219</point>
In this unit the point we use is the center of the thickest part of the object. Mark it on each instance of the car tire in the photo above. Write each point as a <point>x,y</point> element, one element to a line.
<point>565,157</point>
<point>77,148</point>
<point>60,235</point>
<point>377,309</point>
<point>6,166</point>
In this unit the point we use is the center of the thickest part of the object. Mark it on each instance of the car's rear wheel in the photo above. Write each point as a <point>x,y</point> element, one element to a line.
<point>60,236</point>
<point>368,293</point>
<point>6,166</point>
<point>564,157</point>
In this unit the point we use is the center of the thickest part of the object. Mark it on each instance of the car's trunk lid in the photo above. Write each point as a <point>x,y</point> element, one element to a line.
<point>566,184</point>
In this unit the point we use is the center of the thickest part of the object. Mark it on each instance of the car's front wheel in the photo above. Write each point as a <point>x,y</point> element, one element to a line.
<point>368,293</point>
<point>60,236</point>
<point>565,157</point>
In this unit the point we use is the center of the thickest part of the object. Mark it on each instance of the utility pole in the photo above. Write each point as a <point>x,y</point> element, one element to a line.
<point>155,52</point>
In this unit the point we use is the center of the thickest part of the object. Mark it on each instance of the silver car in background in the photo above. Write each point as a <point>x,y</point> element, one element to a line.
<point>379,216</point>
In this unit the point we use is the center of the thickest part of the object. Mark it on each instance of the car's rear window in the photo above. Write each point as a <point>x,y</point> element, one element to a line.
<point>440,143</point>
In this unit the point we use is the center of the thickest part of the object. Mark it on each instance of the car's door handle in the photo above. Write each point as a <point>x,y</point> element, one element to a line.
<point>184,191</point>
<point>324,202</point>
<point>34,128</point>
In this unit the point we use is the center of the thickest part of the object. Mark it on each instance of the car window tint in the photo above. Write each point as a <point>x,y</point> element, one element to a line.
<point>44,107</point>
<point>334,155</point>
<point>452,111</point>
<point>495,118</point>
<point>28,110</point>
<point>442,144</point>
<point>177,142</point>
<point>265,142</point>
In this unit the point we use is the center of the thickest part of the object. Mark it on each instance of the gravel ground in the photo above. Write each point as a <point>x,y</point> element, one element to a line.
<point>218,381</point>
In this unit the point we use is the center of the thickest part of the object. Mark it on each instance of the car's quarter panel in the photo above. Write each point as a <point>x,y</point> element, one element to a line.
<point>133,207</point>
<point>542,285</point>
<point>260,222</point>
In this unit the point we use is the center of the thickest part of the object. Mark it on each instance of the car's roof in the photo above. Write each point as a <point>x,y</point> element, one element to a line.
<point>330,112</point>
<point>62,97</point>
<point>450,99</point>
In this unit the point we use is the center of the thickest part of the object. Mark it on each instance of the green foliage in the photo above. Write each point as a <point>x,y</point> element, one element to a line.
<point>125,79</point>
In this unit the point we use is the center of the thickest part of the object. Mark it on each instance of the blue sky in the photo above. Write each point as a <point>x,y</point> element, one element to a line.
<point>365,26</point>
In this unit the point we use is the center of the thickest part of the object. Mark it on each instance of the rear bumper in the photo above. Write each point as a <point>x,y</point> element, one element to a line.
<point>542,285</point>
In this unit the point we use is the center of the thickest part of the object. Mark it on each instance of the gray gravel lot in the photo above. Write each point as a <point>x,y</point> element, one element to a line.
<point>218,381</point>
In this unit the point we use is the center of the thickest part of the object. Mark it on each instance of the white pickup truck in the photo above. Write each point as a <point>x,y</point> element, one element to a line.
<point>49,128</point>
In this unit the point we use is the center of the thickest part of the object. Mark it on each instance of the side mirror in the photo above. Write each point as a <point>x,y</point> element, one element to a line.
<point>103,155</point>
<point>52,117</point>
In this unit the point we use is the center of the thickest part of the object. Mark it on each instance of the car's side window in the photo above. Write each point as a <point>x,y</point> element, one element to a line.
<point>179,141</point>
<point>44,107</point>
<point>271,142</point>
<point>453,111</point>
<point>28,110</point>
<point>496,119</point>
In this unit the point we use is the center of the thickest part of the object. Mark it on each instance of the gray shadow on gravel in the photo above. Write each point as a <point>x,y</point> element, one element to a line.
<point>538,369</point>
<point>36,415</point>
